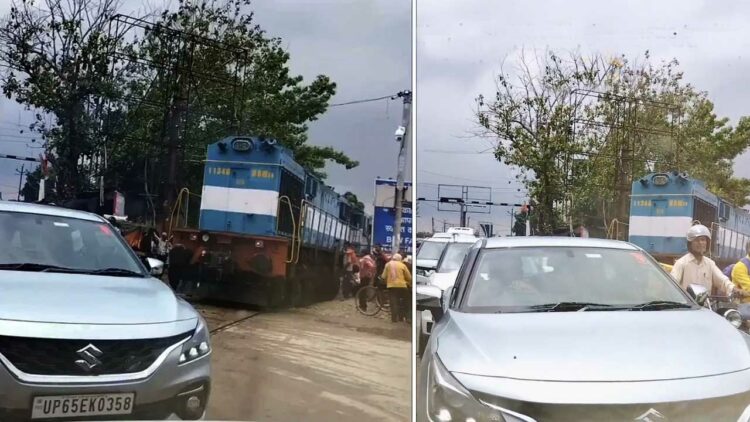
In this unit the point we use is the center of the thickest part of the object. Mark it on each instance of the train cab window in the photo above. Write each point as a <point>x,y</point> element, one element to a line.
<point>723,211</point>
<point>311,190</point>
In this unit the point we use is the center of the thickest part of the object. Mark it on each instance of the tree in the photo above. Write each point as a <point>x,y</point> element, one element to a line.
<point>152,102</point>
<point>583,129</point>
<point>531,122</point>
<point>57,56</point>
<point>236,81</point>
<point>30,190</point>
<point>354,201</point>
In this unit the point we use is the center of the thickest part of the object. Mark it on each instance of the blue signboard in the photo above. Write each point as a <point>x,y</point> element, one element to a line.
<point>383,222</point>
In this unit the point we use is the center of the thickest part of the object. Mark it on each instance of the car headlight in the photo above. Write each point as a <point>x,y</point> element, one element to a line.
<point>734,317</point>
<point>199,344</point>
<point>448,400</point>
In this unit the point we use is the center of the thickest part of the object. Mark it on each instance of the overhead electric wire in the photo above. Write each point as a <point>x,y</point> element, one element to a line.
<point>368,100</point>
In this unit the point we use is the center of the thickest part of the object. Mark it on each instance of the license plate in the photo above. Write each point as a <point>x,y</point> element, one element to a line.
<point>83,405</point>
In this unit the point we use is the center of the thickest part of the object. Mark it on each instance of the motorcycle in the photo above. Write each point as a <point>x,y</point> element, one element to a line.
<point>726,306</point>
<point>738,314</point>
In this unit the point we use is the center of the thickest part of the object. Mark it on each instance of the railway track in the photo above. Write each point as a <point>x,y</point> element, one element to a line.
<point>220,318</point>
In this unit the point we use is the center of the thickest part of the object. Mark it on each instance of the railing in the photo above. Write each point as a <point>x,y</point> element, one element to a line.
<point>288,201</point>
<point>177,208</point>
<point>726,241</point>
<point>614,231</point>
<point>343,231</point>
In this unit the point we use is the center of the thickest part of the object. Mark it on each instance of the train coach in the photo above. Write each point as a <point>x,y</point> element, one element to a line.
<point>663,207</point>
<point>270,233</point>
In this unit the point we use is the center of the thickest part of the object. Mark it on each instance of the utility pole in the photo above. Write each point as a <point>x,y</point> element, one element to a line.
<point>402,136</point>
<point>20,180</point>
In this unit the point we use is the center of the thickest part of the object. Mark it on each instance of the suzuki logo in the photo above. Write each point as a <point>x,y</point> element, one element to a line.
<point>90,355</point>
<point>651,416</point>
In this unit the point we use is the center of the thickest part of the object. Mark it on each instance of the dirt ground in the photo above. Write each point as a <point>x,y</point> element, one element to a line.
<point>320,363</point>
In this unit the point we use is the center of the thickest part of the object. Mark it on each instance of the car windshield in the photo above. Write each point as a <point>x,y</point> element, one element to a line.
<point>543,278</point>
<point>453,257</point>
<point>431,250</point>
<point>36,242</point>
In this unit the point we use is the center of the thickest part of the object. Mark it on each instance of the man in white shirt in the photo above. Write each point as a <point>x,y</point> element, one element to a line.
<point>694,268</point>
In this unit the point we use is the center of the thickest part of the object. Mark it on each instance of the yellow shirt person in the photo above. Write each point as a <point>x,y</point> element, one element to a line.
<point>396,274</point>
<point>741,278</point>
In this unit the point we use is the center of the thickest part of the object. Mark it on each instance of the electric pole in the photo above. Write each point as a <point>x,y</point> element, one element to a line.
<point>402,136</point>
<point>20,180</point>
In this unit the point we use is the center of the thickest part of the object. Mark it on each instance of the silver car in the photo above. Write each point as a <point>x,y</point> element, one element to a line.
<point>85,330</point>
<point>570,329</point>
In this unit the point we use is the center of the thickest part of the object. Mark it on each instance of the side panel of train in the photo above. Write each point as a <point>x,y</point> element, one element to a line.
<point>663,206</point>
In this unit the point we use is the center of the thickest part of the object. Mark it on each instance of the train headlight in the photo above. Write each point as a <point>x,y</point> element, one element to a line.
<point>660,179</point>
<point>242,145</point>
<point>193,237</point>
<point>258,243</point>
<point>205,237</point>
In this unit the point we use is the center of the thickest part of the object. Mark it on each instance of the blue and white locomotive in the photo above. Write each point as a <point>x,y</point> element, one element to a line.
<point>270,232</point>
<point>663,206</point>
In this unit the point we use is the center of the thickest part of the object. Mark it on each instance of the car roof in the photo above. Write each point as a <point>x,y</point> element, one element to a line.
<point>51,210</point>
<point>552,241</point>
<point>450,238</point>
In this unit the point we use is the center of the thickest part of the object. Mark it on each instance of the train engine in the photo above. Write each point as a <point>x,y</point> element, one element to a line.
<point>663,207</point>
<point>269,233</point>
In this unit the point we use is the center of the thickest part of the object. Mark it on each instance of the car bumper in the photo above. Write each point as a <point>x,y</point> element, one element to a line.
<point>161,394</point>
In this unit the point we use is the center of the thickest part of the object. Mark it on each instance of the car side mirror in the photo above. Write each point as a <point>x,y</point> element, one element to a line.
<point>429,298</point>
<point>155,266</point>
<point>698,293</point>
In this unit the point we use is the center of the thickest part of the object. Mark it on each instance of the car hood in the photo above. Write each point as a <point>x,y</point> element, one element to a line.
<point>443,280</point>
<point>88,299</point>
<point>592,346</point>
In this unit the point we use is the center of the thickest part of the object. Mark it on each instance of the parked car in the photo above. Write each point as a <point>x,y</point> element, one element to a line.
<point>431,249</point>
<point>564,329</point>
<point>443,277</point>
<point>85,328</point>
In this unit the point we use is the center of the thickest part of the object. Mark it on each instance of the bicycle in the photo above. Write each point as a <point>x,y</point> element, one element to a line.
<point>374,298</point>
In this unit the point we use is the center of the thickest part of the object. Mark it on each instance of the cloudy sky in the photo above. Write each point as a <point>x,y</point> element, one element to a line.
<point>461,46</point>
<point>363,45</point>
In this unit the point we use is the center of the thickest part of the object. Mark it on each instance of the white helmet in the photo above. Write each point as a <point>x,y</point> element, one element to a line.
<point>697,231</point>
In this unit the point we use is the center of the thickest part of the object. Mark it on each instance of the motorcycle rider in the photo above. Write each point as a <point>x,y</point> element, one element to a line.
<point>695,268</point>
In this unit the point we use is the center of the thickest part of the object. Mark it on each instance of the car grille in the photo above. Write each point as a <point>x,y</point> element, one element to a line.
<point>41,356</point>
<point>727,408</point>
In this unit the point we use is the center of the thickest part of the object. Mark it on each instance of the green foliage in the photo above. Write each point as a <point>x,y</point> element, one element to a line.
<point>57,61</point>
<point>206,68</point>
<point>354,201</point>
<point>582,129</point>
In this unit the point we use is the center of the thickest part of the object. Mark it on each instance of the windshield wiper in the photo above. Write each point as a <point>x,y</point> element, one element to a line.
<point>115,272</point>
<point>572,306</point>
<point>33,266</point>
<point>660,304</point>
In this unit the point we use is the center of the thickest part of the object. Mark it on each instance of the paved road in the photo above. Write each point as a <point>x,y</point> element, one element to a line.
<point>321,363</point>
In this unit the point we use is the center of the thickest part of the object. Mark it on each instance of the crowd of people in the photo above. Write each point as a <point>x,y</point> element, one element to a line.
<point>379,268</point>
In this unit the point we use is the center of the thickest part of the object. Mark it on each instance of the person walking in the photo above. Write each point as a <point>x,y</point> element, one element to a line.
<point>398,280</point>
